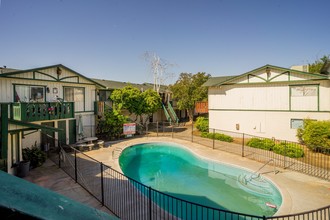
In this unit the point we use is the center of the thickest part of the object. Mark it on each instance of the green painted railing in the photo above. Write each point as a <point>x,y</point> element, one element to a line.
<point>168,117</point>
<point>40,111</point>
<point>174,116</point>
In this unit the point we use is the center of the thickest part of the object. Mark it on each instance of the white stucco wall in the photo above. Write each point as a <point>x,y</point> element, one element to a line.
<point>264,124</point>
<point>265,108</point>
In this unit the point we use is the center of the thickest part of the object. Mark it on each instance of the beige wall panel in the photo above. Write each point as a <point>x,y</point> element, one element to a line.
<point>279,77</point>
<point>263,124</point>
<point>256,98</point>
<point>304,103</point>
<point>28,75</point>
<point>325,96</point>
<point>255,79</point>
<point>6,91</point>
<point>31,139</point>
<point>299,77</point>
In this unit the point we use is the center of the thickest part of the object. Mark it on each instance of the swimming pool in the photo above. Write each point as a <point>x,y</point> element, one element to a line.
<point>174,170</point>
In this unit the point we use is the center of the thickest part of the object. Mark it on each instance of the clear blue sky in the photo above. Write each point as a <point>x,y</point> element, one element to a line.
<point>107,38</point>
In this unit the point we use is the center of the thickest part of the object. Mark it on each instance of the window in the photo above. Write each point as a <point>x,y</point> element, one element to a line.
<point>104,95</point>
<point>298,91</point>
<point>304,97</point>
<point>297,123</point>
<point>26,93</point>
<point>76,95</point>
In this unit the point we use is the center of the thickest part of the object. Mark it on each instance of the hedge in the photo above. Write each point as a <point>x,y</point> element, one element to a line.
<point>287,149</point>
<point>217,136</point>
<point>202,124</point>
<point>265,144</point>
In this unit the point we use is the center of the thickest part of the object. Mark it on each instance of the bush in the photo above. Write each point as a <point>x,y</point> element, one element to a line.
<point>316,135</point>
<point>217,136</point>
<point>202,124</point>
<point>289,149</point>
<point>265,144</point>
<point>35,155</point>
<point>286,149</point>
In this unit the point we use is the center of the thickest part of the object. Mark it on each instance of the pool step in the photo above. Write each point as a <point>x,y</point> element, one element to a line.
<point>254,183</point>
<point>116,153</point>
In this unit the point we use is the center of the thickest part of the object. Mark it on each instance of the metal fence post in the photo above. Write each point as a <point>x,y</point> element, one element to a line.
<point>285,146</point>
<point>75,166</point>
<point>243,145</point>
<point>213,137</point>
<point>59,158</point>
<point>102,186</point>
<point>149,203</point>
<point>172,130</point>
<point>157,127</point>
<point>192,131</point>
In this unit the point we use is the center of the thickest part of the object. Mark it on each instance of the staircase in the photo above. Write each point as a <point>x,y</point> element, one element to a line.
<point>170,114</point>
<point>168,117</point>
<point>174,117</point>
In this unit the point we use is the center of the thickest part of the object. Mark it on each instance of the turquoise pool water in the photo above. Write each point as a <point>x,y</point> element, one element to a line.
<point>174,170</point>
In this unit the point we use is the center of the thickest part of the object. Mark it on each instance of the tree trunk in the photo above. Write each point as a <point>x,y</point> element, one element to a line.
<point>190,114</point>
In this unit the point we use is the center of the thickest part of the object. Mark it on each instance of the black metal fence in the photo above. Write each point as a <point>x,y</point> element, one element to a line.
<point>287,155</point>
<point>130,199</point>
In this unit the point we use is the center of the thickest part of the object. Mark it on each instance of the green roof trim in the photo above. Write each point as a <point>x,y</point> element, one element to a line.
<point>40,203</point>
<point>218,81</point>
<point>8,74</point>
<point>212,81</point>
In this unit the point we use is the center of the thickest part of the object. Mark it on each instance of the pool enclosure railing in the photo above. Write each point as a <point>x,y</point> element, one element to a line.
<point>130,199</point>
<point>285,154</point>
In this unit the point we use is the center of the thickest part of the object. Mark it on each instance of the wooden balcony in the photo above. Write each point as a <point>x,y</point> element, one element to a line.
<point>41,111</point>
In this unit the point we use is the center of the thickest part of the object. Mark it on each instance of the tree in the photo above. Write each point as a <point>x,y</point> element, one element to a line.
<point>317,65</point>
<point>128,98</point>
<point>188,89</point>
<point>151,101</point>
<point>158,68</point>
<point>113,123</point>
<point>135,101</point>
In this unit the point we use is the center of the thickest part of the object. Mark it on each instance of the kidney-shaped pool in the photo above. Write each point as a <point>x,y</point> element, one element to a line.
<point>174,170</point>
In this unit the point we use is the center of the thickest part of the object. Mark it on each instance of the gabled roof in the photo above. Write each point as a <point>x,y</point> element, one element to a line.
<point>111,85</point>
<point>16,72</point>
<point>217,81</point>
<point>6,70</point>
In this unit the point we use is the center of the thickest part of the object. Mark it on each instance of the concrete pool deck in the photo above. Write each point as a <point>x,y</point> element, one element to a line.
<point>300,192</point>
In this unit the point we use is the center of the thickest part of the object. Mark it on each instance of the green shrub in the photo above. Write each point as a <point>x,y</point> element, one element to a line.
<point>265,144</point>
<point>289,149</point>
<point>202,124</point>
<point>35,155</point>
<point>286,149</point>
<point>217,136</point>
<point>316,135</point>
